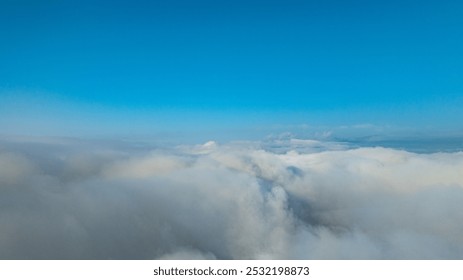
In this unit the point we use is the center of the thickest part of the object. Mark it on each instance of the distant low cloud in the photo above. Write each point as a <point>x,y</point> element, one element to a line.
<point>299,199</point>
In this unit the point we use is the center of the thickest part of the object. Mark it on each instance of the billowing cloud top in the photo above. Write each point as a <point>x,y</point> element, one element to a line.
<point>302,199</point>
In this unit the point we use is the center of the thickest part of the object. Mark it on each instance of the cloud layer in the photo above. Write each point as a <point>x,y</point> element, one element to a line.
<point>68,199</point>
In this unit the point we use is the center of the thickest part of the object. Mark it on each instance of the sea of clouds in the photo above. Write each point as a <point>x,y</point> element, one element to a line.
<point>291,199</point>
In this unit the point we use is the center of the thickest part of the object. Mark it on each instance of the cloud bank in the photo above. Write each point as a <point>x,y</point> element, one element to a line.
<point>301,199</point>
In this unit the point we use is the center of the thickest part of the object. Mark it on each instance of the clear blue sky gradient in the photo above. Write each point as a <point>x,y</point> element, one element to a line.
<point>169,65</point>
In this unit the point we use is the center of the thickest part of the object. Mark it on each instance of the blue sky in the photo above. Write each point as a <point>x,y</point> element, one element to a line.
<point>147,67</point>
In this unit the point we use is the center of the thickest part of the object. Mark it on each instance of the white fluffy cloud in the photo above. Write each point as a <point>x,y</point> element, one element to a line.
<point>309,200</point>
